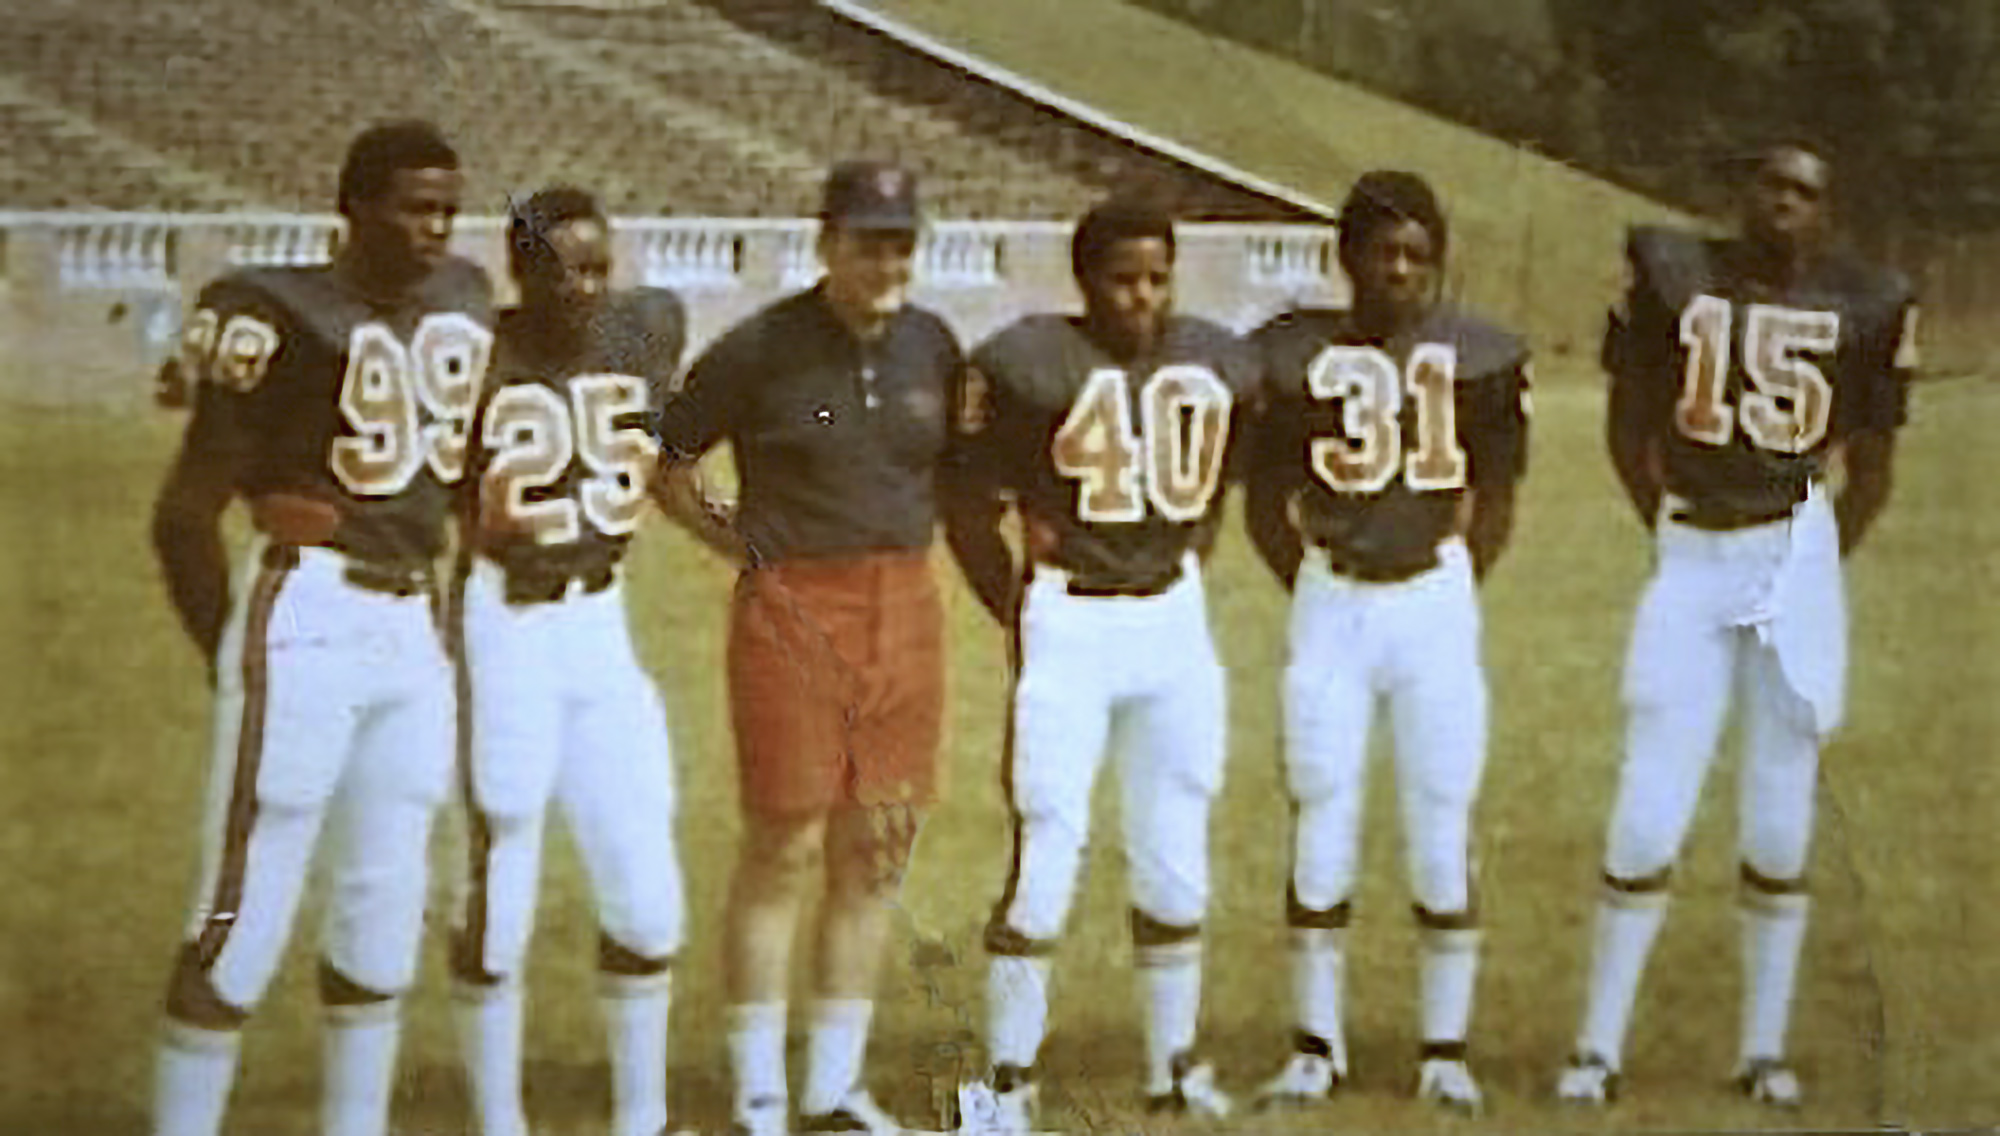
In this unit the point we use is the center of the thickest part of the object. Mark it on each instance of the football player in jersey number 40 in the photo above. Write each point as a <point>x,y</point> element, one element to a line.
<point>1392,439</point>
<point>1739,370</point>
<point>335,399</point>
<point>1110,435</point>
<point>555,704</point>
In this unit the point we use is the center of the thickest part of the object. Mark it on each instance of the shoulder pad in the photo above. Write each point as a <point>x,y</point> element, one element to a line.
<point>459,281</point>
<point>1878,293</point>
<point>1672,265</point>
<point>649,309</point>
<point>1483,349</point>
<point>1021,344</point>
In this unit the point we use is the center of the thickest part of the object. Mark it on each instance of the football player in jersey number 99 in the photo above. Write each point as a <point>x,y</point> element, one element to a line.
<point>1110,434</point>
<point>1740,370</point>
<point>335,400</point>
<point>1392,437</point>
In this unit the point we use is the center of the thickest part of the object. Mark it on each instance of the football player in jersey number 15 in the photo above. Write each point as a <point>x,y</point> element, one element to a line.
<point>1110,435</point>
<point>1740,369</point>
<point>1392,437</point>
<point>335,400</point>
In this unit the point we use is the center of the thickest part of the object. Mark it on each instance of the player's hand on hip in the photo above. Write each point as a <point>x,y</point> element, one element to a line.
<point>295,518</point>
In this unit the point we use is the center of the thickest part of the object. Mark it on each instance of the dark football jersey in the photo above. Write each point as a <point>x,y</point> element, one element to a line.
<point>316,388</point>
<point>1380,439</point>
<point>1749,386</point>
<point>1120,466</point>
<point>563,443</point>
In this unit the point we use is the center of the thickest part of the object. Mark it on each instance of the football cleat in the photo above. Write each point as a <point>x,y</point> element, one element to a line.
<point>1306,1078</point>
<point>1447,1082</point>
<point>857,1112</point>
<point>986,1111</point>
<point>762,1117</point>
<point>1587,1079</point>
<point>1768,1080</point>
<point>1193,1092</point>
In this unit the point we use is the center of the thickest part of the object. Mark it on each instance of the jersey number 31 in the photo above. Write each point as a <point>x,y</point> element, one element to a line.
<point>1174,458</point>
<point>535,433</point>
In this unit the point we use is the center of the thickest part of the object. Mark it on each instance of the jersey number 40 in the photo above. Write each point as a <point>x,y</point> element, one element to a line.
<point>1787,403</point>
<point>1368,452</point>
<point>535,433</point>
<point>388,392</point>
<point>1173,459</point>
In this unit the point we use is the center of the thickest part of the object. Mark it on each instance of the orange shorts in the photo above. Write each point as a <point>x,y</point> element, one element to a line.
<point>836,683</point>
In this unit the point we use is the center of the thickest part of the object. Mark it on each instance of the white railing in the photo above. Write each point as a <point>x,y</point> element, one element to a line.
<point>145,251</point>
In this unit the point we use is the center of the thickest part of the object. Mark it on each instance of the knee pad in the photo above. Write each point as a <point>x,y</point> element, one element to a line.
<point>1301,917</point>
<point>1150,932</point>
<point>615,958</point>
<point>193,999</point>
<point>1441,873</point>
<point>337,989</point>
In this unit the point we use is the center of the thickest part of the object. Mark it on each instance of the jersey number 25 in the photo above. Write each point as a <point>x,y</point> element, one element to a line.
<point>535,433</point>
<point>1174,458</point>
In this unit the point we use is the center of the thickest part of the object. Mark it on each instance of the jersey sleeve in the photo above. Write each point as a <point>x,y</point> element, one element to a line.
<point>698,411</point>
<point>662,338</point>
<point>235,360</point>
<point>1275,435</point>
<point>996,436</point>
<point>1637,353</point>
<point>1877,397</point>
<point>1494,417</point>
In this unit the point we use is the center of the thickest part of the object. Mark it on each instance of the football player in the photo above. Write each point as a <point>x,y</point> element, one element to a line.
<point>1109,433</point>
<point>834,402</point>
<point>335,399</point>
<point>1741,371</point>
<point>1393,436</point>
<point>556,705</point>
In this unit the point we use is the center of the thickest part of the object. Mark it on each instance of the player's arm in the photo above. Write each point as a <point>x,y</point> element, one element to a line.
<point>691,418</point>
<point>1274,474</point>
<point>1870,445</point>
<point>1499,452</point>
<point>972,498</point>
<point>1633,413</point>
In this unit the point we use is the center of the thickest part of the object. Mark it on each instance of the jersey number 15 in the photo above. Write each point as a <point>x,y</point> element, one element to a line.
<point>1174,458</point>
<point>1787,404</point>
<point>536,433</point>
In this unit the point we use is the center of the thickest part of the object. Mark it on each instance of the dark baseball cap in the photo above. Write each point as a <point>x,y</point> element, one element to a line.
<point>871,195</point>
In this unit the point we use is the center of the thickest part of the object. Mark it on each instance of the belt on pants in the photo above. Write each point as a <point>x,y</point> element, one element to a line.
<point>527,588</point>
<point>1342,563</point>
<point>383,579</point>
<point>1710,518</point>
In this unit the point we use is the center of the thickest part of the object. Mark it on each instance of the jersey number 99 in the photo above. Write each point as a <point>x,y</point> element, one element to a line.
<point>388,392</point>
<point>1174,458</point>
<point>535,433</point>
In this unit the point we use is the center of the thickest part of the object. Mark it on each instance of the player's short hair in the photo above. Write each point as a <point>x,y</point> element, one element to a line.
<point>1119,219</point>
<point>1752,164</point>
<point>1389,197</point>
<point>530,222</point>
<point>379,151</point>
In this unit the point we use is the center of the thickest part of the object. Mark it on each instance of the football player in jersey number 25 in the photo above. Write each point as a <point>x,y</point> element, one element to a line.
<point>335,400</point>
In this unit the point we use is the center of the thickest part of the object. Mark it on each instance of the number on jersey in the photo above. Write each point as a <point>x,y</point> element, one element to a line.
<point>409,406</point>
<point>535,433</point>
<point>1788,403</point>
<point>1173,459</point>
<point>1368,453</point>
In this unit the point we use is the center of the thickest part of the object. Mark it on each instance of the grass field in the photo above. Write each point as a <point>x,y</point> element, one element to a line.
<point>104,742</point>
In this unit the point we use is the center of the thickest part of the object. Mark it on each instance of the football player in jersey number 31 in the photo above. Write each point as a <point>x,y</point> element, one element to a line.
<point>335,399</point>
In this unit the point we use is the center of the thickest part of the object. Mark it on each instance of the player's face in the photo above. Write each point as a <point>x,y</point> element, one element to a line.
<point>1787,199</point>
<point>572,280</point>
<point>408,225</point>
<point>1130,290</point>
<point>868,270</point>
<point>1396,270</point>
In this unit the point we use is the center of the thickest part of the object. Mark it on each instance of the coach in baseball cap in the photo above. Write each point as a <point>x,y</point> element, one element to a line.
<point>834,401</point>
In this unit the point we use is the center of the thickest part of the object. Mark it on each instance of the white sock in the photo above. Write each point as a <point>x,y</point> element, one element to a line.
<point>192,1080</point>
<point>1627,924</point>
<point>835,1048</point>
<point>489,1038</point>
<point>757,1053</point>
<point>360,1067</point>
<point>636,1009</point>
<point>1170,977</point>
<point>1451,969</point>
<point>1017,1009</point>
<point>1774,931</point>
<point>1319,970</point>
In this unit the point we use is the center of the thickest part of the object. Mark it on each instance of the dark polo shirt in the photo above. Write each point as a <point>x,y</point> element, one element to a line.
<point>837,440</point>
